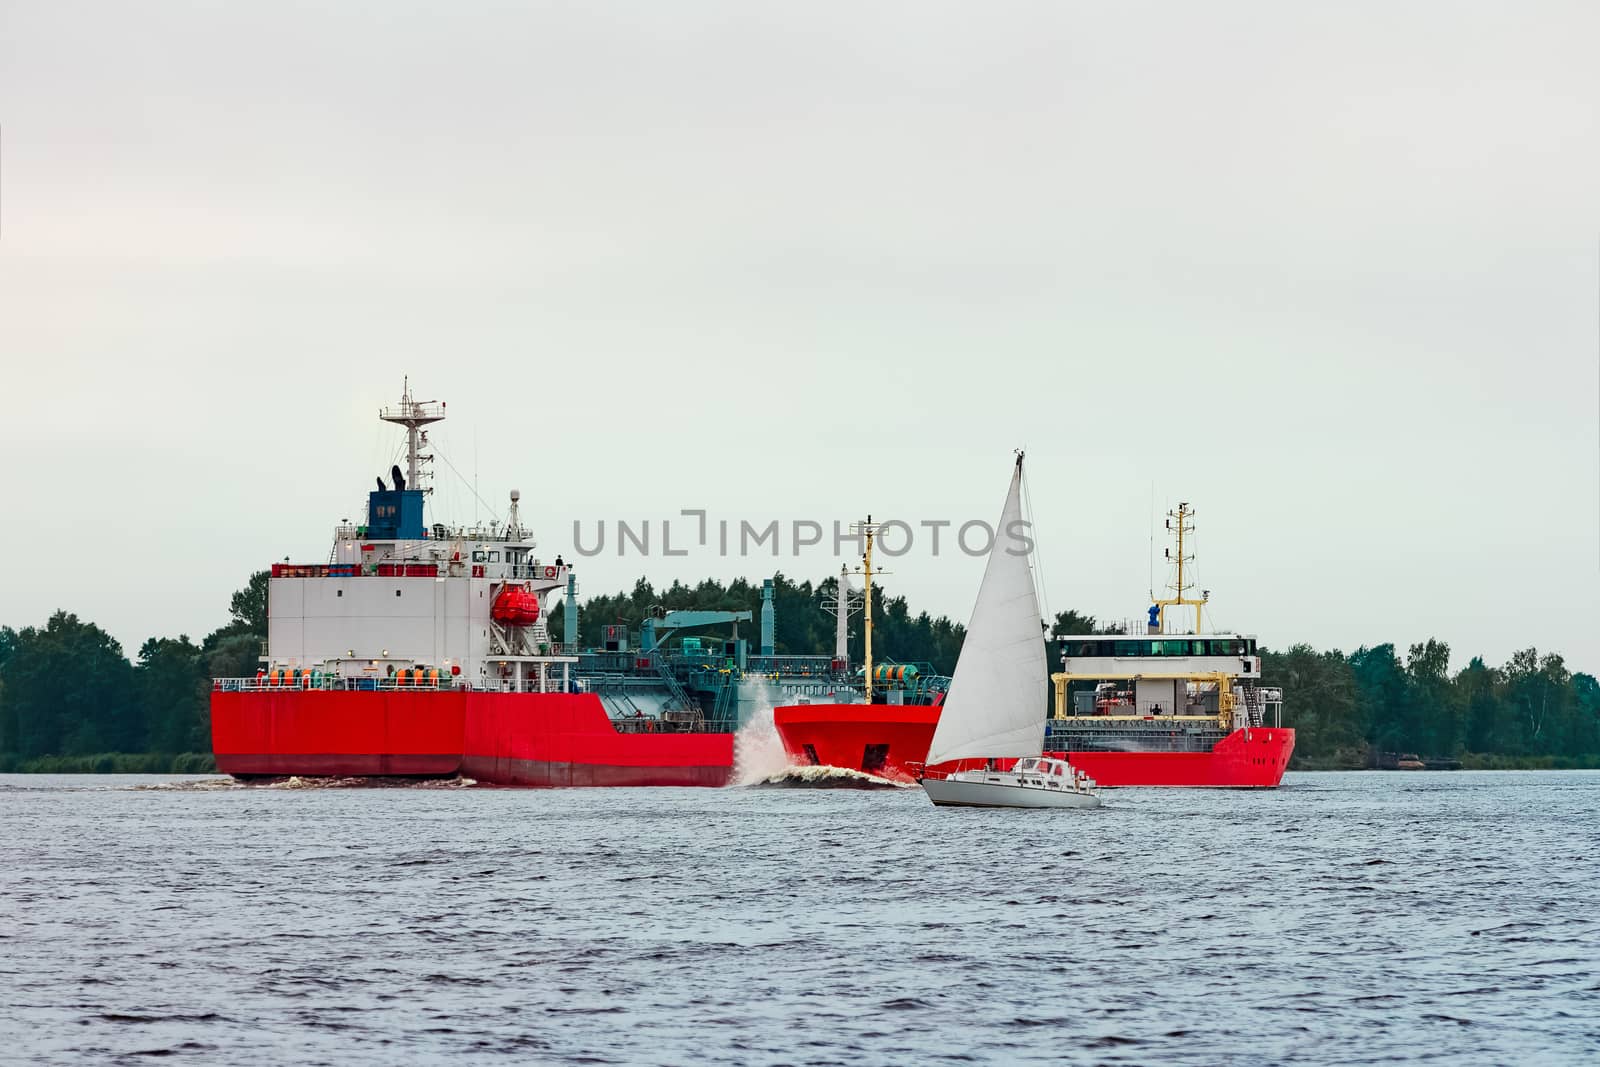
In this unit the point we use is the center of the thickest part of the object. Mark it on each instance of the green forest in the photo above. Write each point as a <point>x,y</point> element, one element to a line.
<point>71,700</point>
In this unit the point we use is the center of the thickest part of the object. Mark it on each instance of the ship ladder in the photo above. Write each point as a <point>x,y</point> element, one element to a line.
<point>677,691</point>
<point>727,695</point>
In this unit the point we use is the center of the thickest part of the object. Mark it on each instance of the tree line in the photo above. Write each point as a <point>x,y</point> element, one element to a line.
<point>1347,709</point>
<point>71,700</point>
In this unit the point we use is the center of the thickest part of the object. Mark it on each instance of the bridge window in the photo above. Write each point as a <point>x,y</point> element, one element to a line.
<point>1172,647</point>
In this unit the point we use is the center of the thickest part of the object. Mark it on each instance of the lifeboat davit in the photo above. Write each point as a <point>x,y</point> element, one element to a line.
<point>515,606</point>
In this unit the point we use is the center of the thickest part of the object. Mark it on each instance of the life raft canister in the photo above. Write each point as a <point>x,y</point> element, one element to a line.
<point>515,606</point>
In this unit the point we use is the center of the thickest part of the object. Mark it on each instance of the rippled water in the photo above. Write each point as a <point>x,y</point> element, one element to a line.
<point>1344,918</point>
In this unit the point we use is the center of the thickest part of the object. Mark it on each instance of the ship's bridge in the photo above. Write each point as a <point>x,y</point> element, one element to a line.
<point>1158,676</point>
<point>447,552</point>
<point>1109,655</point>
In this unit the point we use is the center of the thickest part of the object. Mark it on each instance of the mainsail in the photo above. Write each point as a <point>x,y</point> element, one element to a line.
<point>996,704</point>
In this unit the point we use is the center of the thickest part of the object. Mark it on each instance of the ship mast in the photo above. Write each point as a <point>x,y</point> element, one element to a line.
<point>841,622</point>
<point>1185,525</point>
<point>414,415</point>
<point>867,530</point>
<point>844,603</point>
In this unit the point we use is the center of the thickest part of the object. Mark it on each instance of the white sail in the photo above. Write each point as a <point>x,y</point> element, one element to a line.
<point>996,703</point>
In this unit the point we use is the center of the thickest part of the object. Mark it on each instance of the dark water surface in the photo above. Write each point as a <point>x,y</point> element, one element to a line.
<point>1344,918</point>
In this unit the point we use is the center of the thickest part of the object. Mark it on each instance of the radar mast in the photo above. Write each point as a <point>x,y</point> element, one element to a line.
<point>1179,523</point>
<point>414,415</point>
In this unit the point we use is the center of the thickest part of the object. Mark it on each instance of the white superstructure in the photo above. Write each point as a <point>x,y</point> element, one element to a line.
<point>401,595</point>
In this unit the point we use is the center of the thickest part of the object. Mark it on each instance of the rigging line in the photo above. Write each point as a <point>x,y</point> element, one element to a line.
<point>1194,569</point>
<point>1038,557</point>
<point>1205,608</point>
<point>1152,556</point>
<point>379,433</point>
<point>457,473</point>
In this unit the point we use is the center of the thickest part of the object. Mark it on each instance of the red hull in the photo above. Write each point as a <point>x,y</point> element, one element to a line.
<point>532,739</point>
<point>840,735</point>
<point>881,739</point>
<point>1245,759</point>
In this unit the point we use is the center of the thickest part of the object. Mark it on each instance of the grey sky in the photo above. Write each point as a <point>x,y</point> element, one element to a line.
<point>1326,271</point>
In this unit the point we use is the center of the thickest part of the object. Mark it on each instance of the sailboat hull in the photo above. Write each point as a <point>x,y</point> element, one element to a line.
<point>1001,791</point>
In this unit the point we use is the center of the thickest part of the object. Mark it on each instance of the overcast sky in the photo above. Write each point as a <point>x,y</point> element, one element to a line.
<point>1327,271</point>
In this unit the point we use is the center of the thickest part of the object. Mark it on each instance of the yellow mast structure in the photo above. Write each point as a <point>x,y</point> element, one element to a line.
<point>867,529</point>
<point>1185,525</point>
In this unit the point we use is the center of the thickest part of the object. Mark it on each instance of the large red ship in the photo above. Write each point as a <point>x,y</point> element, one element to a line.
<point>1153,705</point>
<point>421,650</point>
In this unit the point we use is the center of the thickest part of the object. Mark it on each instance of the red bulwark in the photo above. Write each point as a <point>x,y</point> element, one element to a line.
<point>535,739</point>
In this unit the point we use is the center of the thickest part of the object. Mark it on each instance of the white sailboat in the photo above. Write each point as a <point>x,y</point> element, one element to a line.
<point>996,705</point>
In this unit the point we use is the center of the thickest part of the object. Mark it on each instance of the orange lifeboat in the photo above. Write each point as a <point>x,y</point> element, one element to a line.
<point>515,606</point>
